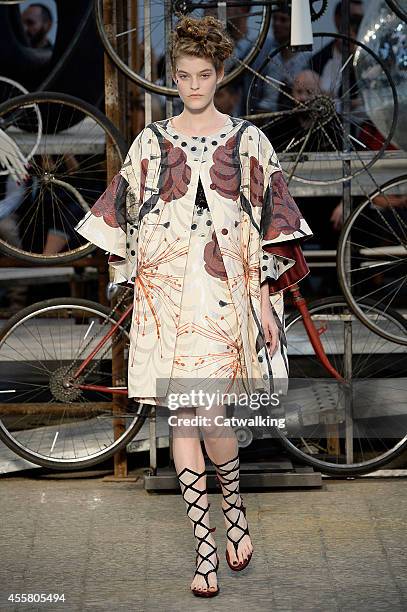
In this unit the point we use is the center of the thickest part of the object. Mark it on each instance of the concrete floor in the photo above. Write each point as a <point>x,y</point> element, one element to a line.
<point>112,546</point>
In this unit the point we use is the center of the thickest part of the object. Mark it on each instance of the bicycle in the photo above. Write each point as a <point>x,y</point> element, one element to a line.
<point>64,139</point>
<point>313,153</point>
<point>64,391</point>
<point>332,438</point>
<point>374,234</point>
<point>248,28</point>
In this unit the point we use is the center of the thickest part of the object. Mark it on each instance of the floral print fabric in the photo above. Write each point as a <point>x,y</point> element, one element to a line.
<point>208,349</point>
<point>249,214</point>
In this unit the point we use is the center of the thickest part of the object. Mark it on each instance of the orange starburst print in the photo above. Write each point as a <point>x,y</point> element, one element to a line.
<point>224,364</point>
<point>155,291</point>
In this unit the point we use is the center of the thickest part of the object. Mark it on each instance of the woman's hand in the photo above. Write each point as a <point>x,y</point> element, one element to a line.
<point>337,216</point>
<point>268,321</point>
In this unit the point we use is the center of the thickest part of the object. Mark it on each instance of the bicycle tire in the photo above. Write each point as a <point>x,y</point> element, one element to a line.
<point>400,12</point>
<point>69,464</point>
<point>341,266</point>
<point>109,129</point>
<point>326,466</point>
<point>68,51</point>
<point>22,91</point>
<point>172,91</point>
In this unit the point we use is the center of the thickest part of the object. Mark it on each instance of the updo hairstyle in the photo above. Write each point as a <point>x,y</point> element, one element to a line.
<point>205,37</point>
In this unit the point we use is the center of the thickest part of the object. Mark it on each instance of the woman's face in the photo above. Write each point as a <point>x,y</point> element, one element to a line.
<point>196,80</point>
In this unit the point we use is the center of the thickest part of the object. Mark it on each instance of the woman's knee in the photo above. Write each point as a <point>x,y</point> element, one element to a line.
<point>214,426</point>
<point>183,425</point>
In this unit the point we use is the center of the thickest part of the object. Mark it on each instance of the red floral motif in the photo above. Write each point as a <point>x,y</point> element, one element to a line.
<point>115,258</point>
<point>143,174</point>
<point>256,182</point>
<point>175,178</point>
<point>225,172</point>
<point>105,205</point>
<point>284,216</point>
<point>213,259</point>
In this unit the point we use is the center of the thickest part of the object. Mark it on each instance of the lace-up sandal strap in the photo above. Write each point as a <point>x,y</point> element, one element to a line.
<point>245,531</point>
<point>206,557</point>
<point>230,486</point>
<point>198,522</point>
<point>230,483</point>
<point>206,574</point>
<point>234,524</point>
<point>225,474</point>
<point>228,476</point>
<point>222,465</point>
<point>189,486</point>
<point>203,541</point>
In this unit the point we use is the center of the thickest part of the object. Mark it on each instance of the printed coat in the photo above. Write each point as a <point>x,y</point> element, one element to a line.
<point>143,220</point>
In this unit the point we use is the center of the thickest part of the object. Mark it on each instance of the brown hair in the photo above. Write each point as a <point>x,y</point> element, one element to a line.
<point>205,37</point>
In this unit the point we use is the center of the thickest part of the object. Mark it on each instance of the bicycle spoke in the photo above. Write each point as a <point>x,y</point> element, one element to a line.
<point>43,412</point>
<point>372,359</point>
<point>69,165</point>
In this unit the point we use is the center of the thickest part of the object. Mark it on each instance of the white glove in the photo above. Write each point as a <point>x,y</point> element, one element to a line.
<point>12,159</point>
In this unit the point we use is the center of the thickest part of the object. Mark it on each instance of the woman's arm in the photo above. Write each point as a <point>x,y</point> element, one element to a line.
<point>267,319</point>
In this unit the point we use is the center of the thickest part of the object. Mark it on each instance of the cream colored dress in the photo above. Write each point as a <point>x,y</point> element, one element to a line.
<point>208,351</point>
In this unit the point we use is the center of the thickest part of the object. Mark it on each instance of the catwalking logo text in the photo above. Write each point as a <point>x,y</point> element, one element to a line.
<point>222,421</point>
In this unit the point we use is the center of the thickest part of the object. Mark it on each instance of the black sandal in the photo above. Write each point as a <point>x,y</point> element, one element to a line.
<point>228,476</point>
<point>188,492</point>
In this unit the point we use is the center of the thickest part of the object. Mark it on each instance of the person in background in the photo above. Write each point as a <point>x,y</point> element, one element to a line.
<point>289,133</point>
<point>301,123</point>
<point>282,67</point>
<point>328,61</point>
<point>11,196</point>
<point>37,22</point>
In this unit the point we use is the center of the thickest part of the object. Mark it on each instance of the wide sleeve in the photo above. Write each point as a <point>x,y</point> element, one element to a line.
<point>111,223</point>
<point>282,229</point>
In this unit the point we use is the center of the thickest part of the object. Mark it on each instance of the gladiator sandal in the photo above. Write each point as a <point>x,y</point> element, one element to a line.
<point>197,515</point>
<point>228,476</point>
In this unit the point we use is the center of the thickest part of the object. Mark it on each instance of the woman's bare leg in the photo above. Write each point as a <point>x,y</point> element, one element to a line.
<point>190,467</point>
<point>222,449</point>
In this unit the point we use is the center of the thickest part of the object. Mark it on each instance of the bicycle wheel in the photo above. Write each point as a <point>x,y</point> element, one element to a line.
<point>44,418</point>
<point>67,175</point>
<point>399,7</point>
<point>303,112</point>
<point>323,430</point>
<point>10,89</point>
<point>247,27</point>
<point>375,235</point>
